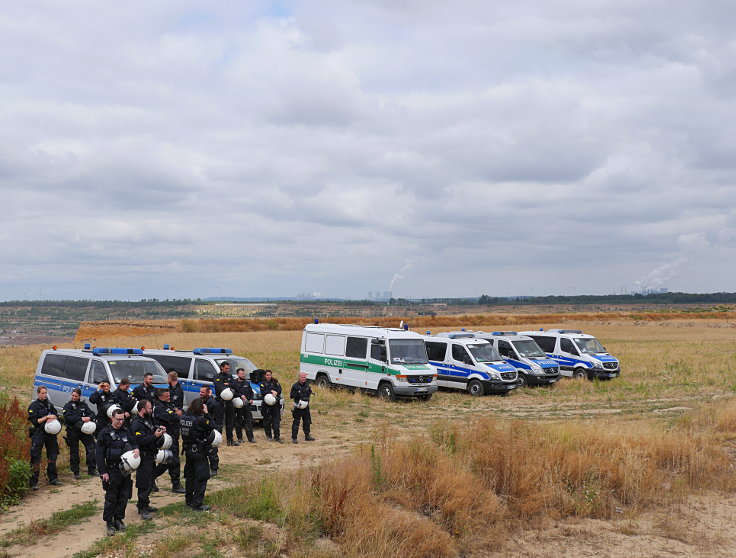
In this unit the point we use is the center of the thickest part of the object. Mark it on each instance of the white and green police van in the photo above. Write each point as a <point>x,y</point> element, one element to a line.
<point>390,362</point>
<point>579,355</point>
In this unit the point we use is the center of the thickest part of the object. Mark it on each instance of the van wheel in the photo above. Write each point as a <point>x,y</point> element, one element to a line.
<point>580,374</point>
<point>323,381</point>
<point>475,388</point>
<point>522,380</point>
<point>386,391</point>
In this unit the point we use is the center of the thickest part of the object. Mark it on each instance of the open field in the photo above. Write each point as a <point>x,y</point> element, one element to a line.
<point>660,440</point>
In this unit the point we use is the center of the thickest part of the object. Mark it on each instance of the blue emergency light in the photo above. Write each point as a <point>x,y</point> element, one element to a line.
<point>166,347</point>
<point>87,346</point>
<point>505,333</point>
<point>316,320</point>
<point>115,351</point>
<point>429,332</point>
<point>212,351</point>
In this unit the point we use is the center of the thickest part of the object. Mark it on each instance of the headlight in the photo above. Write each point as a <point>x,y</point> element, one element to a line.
<point>494,375</point>
<point>400,378</point>
<point>597,365</point>
<point>537,369</point>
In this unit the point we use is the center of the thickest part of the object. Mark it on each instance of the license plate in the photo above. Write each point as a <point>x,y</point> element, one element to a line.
<point>422,389</point>
<point>510,387</point>
<point>612,375</point>
<point>553,381</point>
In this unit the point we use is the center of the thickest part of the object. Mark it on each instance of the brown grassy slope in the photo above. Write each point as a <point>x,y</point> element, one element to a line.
<point>94,330</point>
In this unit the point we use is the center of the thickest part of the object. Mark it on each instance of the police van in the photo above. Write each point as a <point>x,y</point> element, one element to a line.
<point>391,362</point>
<point>523,353</point>
<point>198,367</point>
<point>470,364</point>
<point>578,354</point>
<point>62,370</point>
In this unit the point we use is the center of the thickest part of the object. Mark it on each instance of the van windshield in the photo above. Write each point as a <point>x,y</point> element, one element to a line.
<point>484,352</point>
<point>237,362</point>
<point>408,351</point>
<point>528,348</point>
<point>589,346</point>
<point>134,370</point>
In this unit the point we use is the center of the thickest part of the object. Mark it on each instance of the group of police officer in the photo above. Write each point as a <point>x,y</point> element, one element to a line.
<point>131,429</point>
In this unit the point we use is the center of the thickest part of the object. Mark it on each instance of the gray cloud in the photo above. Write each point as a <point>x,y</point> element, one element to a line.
<point>545,147</point>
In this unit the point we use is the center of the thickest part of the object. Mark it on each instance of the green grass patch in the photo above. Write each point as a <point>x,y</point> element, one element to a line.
<point>57,522</point>
<point>259,502</point>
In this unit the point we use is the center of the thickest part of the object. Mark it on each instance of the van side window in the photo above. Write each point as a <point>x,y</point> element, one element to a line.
<point>567,347</point>
<point>76,368</point>
<point>180,364</point>
<point>436,351</point>
<point>504,347</point>
<point>98,373</point>
<point>357,347</point>
<point>204,370</point>
<point>315,343</point>
<point>459,353</point>
<point>378,351</point>
<point>53,365</point>
<point>335,345</point>
<point>547,344</point>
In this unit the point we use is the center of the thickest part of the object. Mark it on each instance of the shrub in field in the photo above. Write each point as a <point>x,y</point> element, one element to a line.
<point>14,448</point>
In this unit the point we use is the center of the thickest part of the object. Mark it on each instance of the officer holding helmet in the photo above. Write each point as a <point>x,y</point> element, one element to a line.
<point>300,393</point>
<point>76,414</point>
<point>243,414</point>
<point>146,438</point>
<point>223,381</point>
<point>271,413</point>
<point>216,413</point>
<point>196,434</point>
<point>112,443</point>
<point>102,398</point>
<point>166,414</point>
<point>41,412</point>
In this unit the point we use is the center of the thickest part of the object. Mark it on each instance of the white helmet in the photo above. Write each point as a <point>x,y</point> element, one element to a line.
<point>52,427</point>
<point>88,427</point>
<point>111,408</point>
<point>269,399</point>
<point>238,403</point>
<point>134,410</point>
<point>303,404</point>
<point>226,394</point>
<point>215,439</point>
<point>168,441</point>
<point>129,462</point>
<point>164,457</point>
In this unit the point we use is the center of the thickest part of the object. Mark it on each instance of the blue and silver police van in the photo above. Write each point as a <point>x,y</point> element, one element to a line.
<point>198,367</point>
<point>62,370</point>
<point>579,355</point>
<point>470,364</point>
<point>521,351</point>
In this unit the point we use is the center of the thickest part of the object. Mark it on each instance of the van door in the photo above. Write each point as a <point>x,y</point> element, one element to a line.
<point>356,363</point>
<point>568,354</point>
<point>437,355</point>
<point>461,364</point>
<point>377,363</point>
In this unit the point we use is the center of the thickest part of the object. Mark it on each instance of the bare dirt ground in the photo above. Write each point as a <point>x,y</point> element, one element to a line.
<point>701,527</point>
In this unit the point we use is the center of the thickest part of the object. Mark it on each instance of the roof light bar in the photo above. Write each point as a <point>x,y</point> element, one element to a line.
<point>212,351</point>
<point>115,351</point>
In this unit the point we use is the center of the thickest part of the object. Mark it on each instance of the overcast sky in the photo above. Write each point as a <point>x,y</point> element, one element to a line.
<point>175,149</point>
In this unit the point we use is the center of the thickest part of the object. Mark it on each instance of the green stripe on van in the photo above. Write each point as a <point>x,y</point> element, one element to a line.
<point>338,362</point>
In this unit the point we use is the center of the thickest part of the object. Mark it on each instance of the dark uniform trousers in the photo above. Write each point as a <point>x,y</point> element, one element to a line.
<point>244,418</point>
<point>73,437</point>
<point>196,474</point>
<point>271,420</point>
<point>217,415</point>
<point>144,476</point>
<point>39,440</point>
<point>118,490</point>
<point>229,419</point>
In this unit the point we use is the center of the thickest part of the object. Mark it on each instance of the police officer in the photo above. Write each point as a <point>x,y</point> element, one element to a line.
<point>301,391</point>
<point>40,412</point>
<point>103,399</point>
<point>216,413</point>
<point>146,438</point>
<point>271,413</point>
<point>176,392</point>
<point>124,398</point>
<point>76,412</point>
<point>146,390</point>
<point>165,414</point>
<point>244,415</point>
<point>196,429</point>
<point>112,442</point>
<point>224,380</point>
